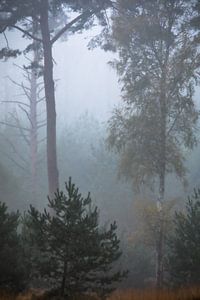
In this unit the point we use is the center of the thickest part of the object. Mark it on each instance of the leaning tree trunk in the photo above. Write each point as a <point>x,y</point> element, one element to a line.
<point>53,180</point>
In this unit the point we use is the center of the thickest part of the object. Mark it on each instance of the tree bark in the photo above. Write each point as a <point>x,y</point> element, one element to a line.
<point>53,177</point>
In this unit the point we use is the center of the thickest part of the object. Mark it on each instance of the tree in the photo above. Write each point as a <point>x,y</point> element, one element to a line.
<point>14,15</point>
<point>76,255</point>
<point>157,67</point>
<point>12,272</point>
<point>195,21</point>
<point>32,88</point>
<point>184,245</point>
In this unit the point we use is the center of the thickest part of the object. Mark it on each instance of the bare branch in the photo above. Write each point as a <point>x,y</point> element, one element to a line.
<point>40,90</point>
<point>40,100</point>
<point>14,161</point>
<point>41,122</point>
<point>14,126</point>
<point>12,146</point>
<point>27,114</point>
<point>22,130</point>
<point>6,40</point>
<point>42,140</point>
<point>21,68</point>
<point>39,83</point>
<point>13,81</point>
<point>16,102</point>
<point>42,125</point>
<point>25,91</point>
<point>27,33</point>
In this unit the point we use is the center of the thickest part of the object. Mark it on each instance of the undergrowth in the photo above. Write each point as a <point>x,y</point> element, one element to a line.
<point>192,293</point>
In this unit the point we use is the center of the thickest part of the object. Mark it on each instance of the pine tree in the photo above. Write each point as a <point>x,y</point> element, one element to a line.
<point>76,255</point>
<point>12,271</point>
<point>184,245</point>
<point>16,15</point>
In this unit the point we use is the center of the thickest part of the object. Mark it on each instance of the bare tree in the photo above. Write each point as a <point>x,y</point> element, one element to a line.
<point>33,90</point>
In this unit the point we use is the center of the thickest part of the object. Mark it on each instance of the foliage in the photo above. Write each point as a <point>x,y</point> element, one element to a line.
<point>157,70</point>
<point>6,53</point>
<point>184,245</point>
<point>12,270</point>
<point>75,254</point>
<point>148,221</point>
<point>139,260</point>
<point>196,20</point>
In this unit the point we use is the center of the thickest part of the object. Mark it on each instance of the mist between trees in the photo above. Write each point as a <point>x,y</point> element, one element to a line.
<point>141,163</point>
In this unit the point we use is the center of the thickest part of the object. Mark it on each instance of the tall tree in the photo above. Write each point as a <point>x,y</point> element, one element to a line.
<point>15,14</point>
<point>157,67</point>
<point>32,88</point>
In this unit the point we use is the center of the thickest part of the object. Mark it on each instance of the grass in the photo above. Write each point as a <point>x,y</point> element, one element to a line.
<point>181,294</point>
<point>192,293</point>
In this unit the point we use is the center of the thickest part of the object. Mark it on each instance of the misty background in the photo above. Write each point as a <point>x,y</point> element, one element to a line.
<point>87,90</point>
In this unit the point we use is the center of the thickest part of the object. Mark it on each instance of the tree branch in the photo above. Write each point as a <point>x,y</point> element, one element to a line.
<point>27,114</point>
<point>84,15</point>
<point>14,161</point>
<point>16,102</point>
<point>27,33</point>
<point>6,39</point>
<point>14,126</point>
<point>15,150</point>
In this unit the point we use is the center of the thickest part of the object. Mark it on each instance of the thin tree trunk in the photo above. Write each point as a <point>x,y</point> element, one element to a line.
<point>162,147</point>
<point>53,180</point>
<point>33,130</point>
<point>160,241</point>
<point>63,279</point>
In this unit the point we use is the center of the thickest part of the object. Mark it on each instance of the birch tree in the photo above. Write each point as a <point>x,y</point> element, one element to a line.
<point>157,69</point>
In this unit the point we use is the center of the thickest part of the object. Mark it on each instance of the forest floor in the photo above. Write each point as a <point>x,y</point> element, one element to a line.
<point>192,293</point>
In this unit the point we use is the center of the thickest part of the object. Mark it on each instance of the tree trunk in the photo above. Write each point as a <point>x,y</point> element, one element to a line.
<point>62,292</point>
<point>162,147</point>
<point>33,114</point>
<point>160,241</point>
<point>53,180</point>
<point>33,129</point>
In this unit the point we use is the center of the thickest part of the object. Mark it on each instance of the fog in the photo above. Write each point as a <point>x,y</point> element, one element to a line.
<point>125,129</point>
<point>84,80</point>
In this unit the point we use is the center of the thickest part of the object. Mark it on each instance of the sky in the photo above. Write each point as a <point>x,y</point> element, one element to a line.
<point>84,80</point>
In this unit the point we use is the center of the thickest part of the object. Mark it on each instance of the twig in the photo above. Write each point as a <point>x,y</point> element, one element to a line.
<point>6,40</point>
